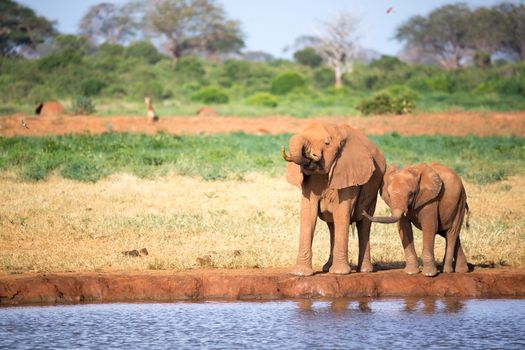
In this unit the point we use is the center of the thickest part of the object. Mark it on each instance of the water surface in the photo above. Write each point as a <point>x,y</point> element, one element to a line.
<point>304,324</point>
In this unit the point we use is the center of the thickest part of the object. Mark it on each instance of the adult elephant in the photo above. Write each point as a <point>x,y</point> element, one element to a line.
<point>339,171</point>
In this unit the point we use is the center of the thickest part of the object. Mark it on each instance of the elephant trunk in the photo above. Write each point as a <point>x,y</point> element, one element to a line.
<point>296,147</point>
<point>396,215</point>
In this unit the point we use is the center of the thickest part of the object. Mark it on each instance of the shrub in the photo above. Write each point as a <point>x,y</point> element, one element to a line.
<point>379,103</point>
<point>262,99</point>
<point>385,102</point>
<point>144,50</point>
<point>210,94</point>
<point>92,87</point>
<point>189,69</point>
<point>324,77</point>
<point>308,57</point>
<point>482,59</point>
<point>82,105</point>
<point>387,63</point>
<point>286,82</point>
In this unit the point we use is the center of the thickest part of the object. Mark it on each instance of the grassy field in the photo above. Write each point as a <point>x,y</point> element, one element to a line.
<point>218,201</point>
<point>231,156</point>
<point>187,222</point>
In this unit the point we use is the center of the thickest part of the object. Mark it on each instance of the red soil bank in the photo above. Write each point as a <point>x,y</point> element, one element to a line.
<point>453,123</point>
<point>250,284</point>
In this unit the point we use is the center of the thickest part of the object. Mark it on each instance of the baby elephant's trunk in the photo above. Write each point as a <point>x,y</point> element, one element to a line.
<point>396,215</point>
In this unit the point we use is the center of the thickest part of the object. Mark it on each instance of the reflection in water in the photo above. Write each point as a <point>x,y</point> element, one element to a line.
<point>343,323</point>
<point>425,305</point>
<point>430,305</point>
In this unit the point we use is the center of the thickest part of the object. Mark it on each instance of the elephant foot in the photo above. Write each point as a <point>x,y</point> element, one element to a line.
<point>430,271</point>
<point>411,269</point>
<point>366,267</point>
<point>302,270</point>
<point>448,268</point>
<point>340,269</point>
<point>462,268</point>
<point>326,267</point>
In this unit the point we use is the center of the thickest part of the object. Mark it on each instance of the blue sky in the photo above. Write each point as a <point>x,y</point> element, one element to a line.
<point>271,25</point>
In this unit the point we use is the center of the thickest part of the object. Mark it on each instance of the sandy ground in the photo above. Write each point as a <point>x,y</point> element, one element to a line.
<point>452,123</point>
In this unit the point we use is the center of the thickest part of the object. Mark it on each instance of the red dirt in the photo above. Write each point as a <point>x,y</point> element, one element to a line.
<point>456,123</point>
<point>251,284</point>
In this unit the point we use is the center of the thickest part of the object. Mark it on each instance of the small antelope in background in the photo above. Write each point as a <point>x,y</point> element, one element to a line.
<point>152,116</point>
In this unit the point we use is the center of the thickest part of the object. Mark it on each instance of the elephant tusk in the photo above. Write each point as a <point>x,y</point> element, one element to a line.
<point>285,156</point>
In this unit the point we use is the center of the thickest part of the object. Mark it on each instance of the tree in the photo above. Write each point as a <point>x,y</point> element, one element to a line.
<point>21,28</point>
<point>71,42</point>
<point>110,23</point>
<point>338,44</point>
<point>514,24</point>
<point>486,32</point>
<point>443,33</point>
<point>308,57</point>
<point>193,26</point>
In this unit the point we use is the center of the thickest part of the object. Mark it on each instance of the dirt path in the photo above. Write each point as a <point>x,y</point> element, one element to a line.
<point>251,284</point>
<point>457,123</point>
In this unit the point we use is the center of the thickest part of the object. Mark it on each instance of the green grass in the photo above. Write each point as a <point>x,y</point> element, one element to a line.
<point>92,157</point>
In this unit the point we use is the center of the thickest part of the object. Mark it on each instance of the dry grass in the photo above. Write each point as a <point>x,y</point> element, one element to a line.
<point>63,225</point>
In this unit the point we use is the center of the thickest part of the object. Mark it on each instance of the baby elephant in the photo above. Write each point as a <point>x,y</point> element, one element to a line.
<point>433,198</point>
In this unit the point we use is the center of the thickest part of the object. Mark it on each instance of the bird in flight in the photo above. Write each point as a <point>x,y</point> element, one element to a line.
<point>390,9</point>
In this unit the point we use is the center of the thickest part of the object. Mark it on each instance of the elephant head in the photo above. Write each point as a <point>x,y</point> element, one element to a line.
<point>407,189</point>
<point>342,152</point>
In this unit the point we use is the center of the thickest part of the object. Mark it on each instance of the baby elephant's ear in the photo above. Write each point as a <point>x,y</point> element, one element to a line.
<point>430,185</point>
<point>294,175</point>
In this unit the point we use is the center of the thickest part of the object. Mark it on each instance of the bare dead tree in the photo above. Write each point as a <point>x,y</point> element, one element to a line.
<point>338,44</point>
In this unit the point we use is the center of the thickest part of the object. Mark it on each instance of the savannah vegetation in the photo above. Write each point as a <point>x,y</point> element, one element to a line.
<point>90,158</point>
<point>112,64</point>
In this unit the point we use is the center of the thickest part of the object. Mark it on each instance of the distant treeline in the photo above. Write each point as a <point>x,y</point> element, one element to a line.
<point>78,65</point>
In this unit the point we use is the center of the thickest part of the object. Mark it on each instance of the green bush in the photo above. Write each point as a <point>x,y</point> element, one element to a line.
<point>210,94</point>
<point>324,77</point>
<point>308,57</point>
<point>379,103</point>
<point>83,105</point>
<point>92,87</point>
<point>144,50</point>
<point>384,102</point>
<point>262,99</point>
<point>286,82</point>
<point>189,69</point>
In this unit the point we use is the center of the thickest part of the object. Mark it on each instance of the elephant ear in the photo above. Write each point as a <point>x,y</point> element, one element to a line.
<point>355,164</point>
<point>294,175</point>
<point>386,181</point>
<point>430,185</point>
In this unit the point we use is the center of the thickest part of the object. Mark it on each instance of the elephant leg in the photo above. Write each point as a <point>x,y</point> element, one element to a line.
<point>429,227</point>
<point>309,209</point>
<point>429,261</point>
<point>454,251</point>
<point>461,265</point>
<point>364,263</point>
<point>404,227</point>
<point>346,200</point>
<point>331,228</point>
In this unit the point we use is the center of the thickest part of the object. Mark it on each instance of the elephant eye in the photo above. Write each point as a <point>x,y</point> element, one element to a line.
<point>327,141</point>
